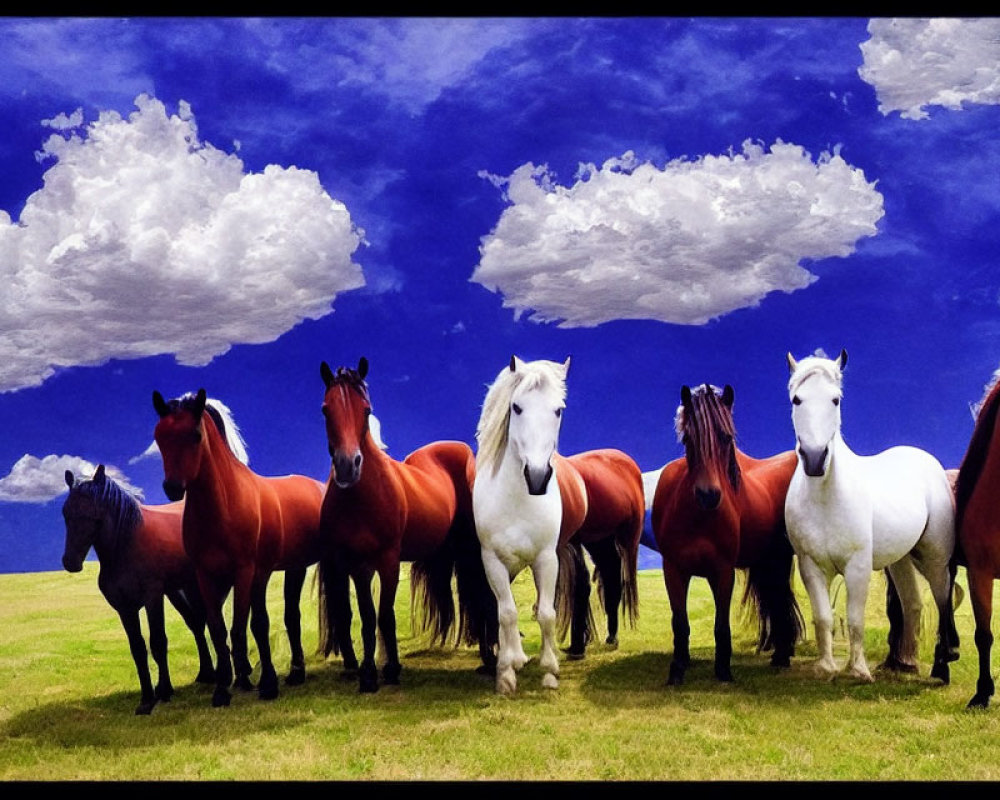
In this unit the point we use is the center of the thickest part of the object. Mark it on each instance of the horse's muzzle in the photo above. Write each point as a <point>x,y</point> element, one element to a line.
<point>346,469</point>
<point>708,499</point>
<point>813,462</point>
<point>537,479</point>
<point>71,564</point>
<point>174,490</point>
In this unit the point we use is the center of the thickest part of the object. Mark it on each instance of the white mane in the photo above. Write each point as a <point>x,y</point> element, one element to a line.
<point>232,431</point>
<point>491,433</point>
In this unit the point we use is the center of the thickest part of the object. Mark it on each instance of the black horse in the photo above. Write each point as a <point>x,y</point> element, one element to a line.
<point>142,559</point>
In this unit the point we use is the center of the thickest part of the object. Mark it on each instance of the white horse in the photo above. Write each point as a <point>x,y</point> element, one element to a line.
<point>850,515</point>
<point>517,503</point>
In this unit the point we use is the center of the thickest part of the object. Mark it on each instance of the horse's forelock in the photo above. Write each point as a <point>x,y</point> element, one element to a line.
<point>811,366</point>
<point>124,506</point>
<point>709,415</point>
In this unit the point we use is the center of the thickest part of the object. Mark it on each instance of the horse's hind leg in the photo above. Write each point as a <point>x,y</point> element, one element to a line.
<point>294,579</point>
<point>579,628</point>
<point>722,589</point>
<point>242,598</point>
<point>368,671</point>
<point>214,595</point>
<point>388,584</point>
<point>818,586</point>
<point>609,566</point>
<point>545,570</point>
<point>857,577</point>
<point>137,646</point>
<point>677,591</point>
<point>158,647</point>
<point>981,592</point>
<point>903,657</point>
<point>189,605</point>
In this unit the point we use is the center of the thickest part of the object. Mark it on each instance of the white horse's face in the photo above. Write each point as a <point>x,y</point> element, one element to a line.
<point>816,418</point>
<point>533,434</point>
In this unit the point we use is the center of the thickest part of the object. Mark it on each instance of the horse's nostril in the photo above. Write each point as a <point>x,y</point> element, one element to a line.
<point>357,460</point>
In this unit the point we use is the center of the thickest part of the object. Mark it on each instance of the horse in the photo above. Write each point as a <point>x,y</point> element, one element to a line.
<point>978,532</point>
<point>378,512</point>
<point>603,507</point>
<point>238,528</point>
<point>715,510</point>
<point>142,559</point>
<point>849,514</point>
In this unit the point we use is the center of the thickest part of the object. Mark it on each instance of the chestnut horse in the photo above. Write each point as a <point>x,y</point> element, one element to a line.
<point>142,560</point>
<point>603,507</point>
<point>978,531</point>
<point>378,512</point>
<point>717,510</point>
<point>238,528</point>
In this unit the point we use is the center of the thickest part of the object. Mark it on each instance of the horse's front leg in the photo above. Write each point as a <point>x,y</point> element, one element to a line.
<point>368,671</point>
<point>260,624</point>
<point>677,585</point>
<point>158,647</point>
<point>192,609</point>
<point>214,593</point>
<point>857,577</point>
<point>388,577</point>
<point>137,646</point>
<point>242,590</point>
<point>981,592</point>
<point>294,579</point>
<point>721,584</point>
<point>546,571</point>
<point>818,587</point>
<point>903,657</point>
<point>579,627</point>
<point>510,652</point>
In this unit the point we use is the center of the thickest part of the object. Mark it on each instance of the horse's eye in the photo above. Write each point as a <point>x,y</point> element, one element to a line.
<point>368,412</point>
<point>836,401</point>
<point>796,401</point>
<point>558,412</point>
<point>516,407</point>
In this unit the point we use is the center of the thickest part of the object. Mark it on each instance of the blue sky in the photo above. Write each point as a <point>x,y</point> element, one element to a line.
<point>225,203</point>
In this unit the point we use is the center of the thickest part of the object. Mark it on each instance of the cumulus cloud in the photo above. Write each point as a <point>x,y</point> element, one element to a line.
<point>916,63</point>
<point>38,480</point>
<point>683,244</point>
<point>144,240</point>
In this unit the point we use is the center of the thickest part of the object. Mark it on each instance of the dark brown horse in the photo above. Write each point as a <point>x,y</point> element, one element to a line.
<point>142,559</point>
<point>717,510</point>
<point>379,512</point>
<point>977,524</point>
<point>238,529</point>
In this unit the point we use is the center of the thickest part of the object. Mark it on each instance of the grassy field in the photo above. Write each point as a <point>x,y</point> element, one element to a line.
<point>68,691</point>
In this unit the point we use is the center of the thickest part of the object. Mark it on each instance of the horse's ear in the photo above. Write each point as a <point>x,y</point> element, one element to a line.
<point>362,367</point>
<point>160,404</point>
<point>68,474</point>
<point>728,395</point>
<point>99,475</point>
<point>326,373</point>
<point>842,360</point>
<point>513,363</point>
<point>565,366</point>
<point>199,404</point>
<point>686,396</point>
<point>792,363</point>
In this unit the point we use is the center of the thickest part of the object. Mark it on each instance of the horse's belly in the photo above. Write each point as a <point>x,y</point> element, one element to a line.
<point>517,546</point>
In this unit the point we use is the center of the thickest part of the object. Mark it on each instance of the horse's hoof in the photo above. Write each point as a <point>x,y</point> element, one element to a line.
<point>941,672</point>
<point>205,676</point>
<point>145,708</point>
<point>781,662</point>
<point>243,683</point>
<point>390,674</point>
<point>676,676</point>
<point>268,693</point>
<point>574,656</point>
<point>895,665</point>
<point>220,698</point>
<point>163,694</point>
<point>612,643</point>
<point>296,676</point>
<point>724,676</point>
<point>486,669</point>
<point>550,681</point>
<point>367,687</point>
<point>979,701</point>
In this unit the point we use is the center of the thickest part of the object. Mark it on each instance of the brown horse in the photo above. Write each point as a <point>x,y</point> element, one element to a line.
<point>603,508</point>
<point>378,512</point>
<point>717,510</point>
<point>142,560</point>
<point>978,531</point>
<point>238,529</point>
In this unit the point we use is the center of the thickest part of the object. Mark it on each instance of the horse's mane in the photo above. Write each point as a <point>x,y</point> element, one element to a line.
<point>710,415</point>
<point>223,419</point>
<point>491,432</point>
<point>815,365</point>
<point>975,455</point>
<point>123,505</point>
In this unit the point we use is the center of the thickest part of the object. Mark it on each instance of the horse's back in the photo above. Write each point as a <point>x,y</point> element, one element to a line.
<point>614,489</point>
<point>159,558</point>
<point>437,484</point>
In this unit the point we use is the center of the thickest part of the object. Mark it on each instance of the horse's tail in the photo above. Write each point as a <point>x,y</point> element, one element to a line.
<point>627,543</point>
<point>324,577</point>
<point>770,589</point>
<point>973,462</point>
<point>432,601</point>
<point>570,562</point>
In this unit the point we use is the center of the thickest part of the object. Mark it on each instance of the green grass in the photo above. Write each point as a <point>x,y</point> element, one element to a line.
<point>68,691</point>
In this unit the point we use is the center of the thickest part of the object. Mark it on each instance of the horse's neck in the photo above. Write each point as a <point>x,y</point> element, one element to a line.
<point>218,474</point>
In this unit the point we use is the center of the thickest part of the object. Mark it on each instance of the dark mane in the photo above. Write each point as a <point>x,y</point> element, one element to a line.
<point>699,431</point>
<point>122,505</point>
<point>975,456</point>
<point>352,378</point>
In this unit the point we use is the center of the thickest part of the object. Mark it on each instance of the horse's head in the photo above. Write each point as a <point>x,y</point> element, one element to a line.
<point>346,409</point>
<point>704,425</point>
<point>84,518</point>
<point>535,416</point>
<point>815,391</point>
<point>180,436</point>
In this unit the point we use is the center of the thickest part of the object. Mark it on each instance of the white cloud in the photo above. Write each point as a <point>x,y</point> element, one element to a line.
<point>683,244</point>
<point>915,63</point>
<point>38,480</point>
<point>145,240</point>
